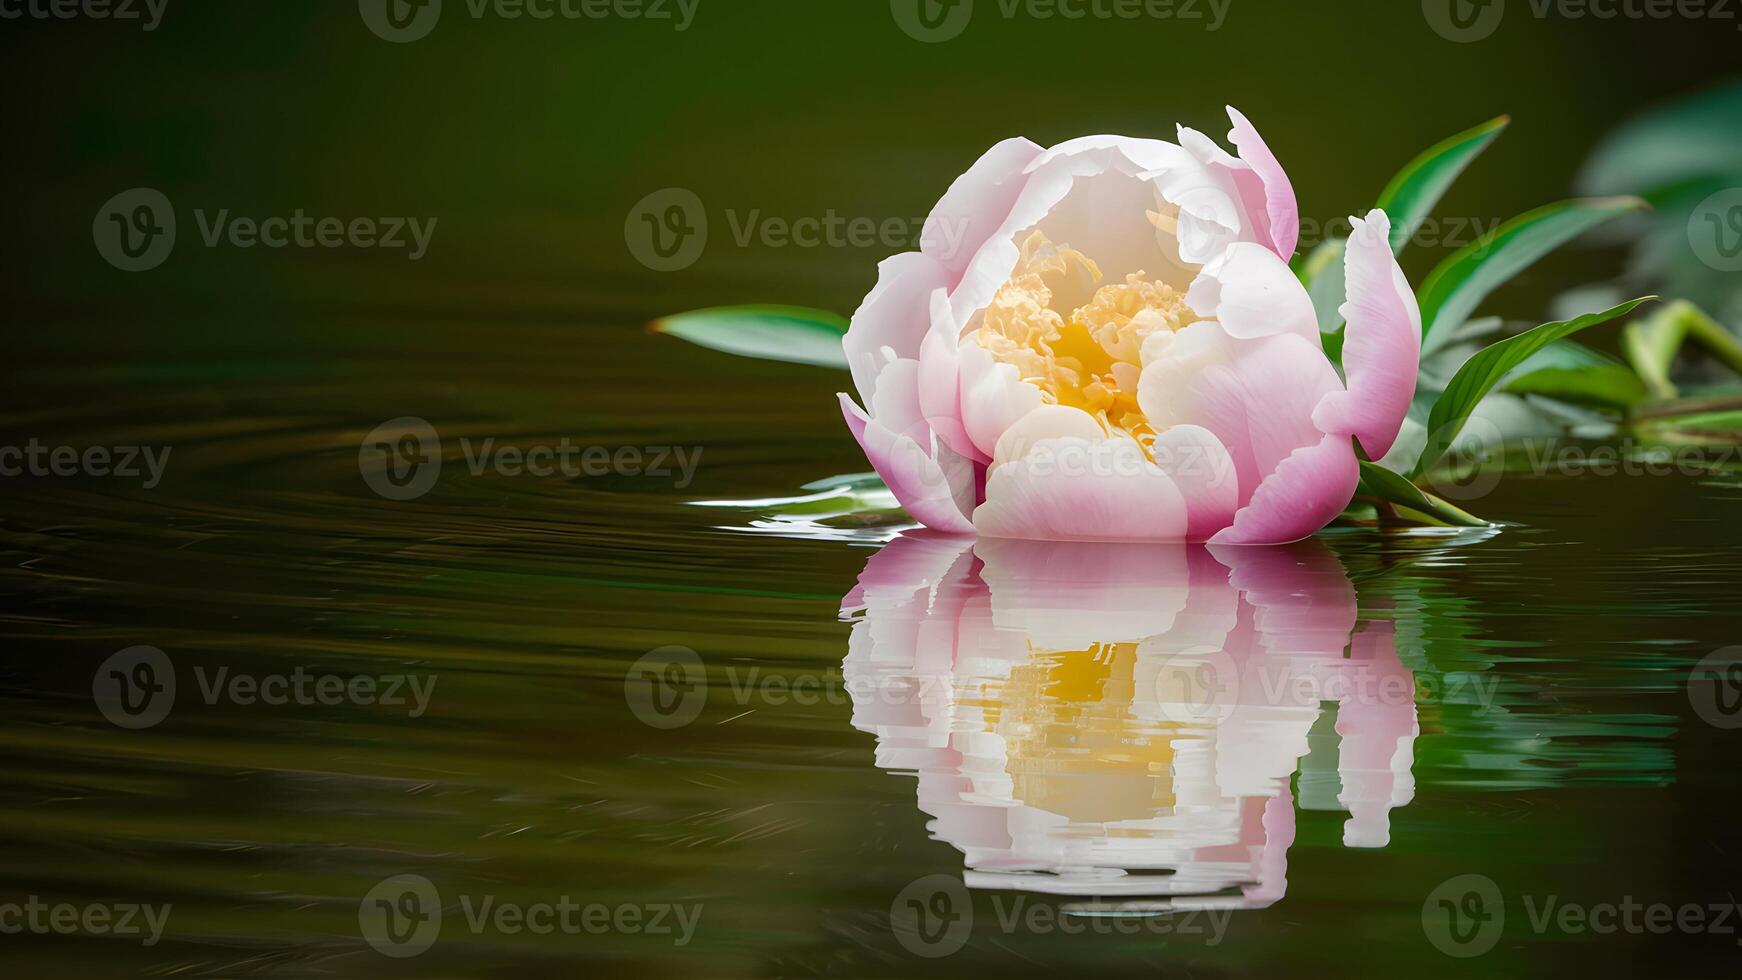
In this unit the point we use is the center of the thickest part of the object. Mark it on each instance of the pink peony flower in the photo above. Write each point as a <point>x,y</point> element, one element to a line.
<point>1103,341</point>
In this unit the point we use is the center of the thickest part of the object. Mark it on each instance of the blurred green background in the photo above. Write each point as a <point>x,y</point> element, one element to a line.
<point>530,140</point>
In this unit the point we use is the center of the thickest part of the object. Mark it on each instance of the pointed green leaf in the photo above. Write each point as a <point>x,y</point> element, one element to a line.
<point>1482,372</point>
<point>1407,201</point>
<point>1459,284</point>
<point>1572,372</point>
<point>1395,488</point>
<point>1418,187</point>
<point>774,333</point>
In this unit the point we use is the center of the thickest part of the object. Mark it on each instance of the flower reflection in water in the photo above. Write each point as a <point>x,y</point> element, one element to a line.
<point>1122,721</point>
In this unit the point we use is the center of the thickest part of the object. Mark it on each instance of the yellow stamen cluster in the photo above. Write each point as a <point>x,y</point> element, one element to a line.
<point>1087,358</point>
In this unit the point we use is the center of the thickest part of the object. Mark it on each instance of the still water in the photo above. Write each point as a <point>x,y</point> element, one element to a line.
<point>524,725</point>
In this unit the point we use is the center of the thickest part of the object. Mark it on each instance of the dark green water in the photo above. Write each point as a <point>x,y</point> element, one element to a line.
<point>1032,762</point>
<point>1560,750</point>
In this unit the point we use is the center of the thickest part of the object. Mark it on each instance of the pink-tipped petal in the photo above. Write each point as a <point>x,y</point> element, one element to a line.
<point>1306,491</point>
<point>1382,343</point>
<point>1071,489</point>
<point>894,316</point>
<point>934,490</point>
<point>976,204</point>
<point>1253,294</point>
<point>1280,204</point>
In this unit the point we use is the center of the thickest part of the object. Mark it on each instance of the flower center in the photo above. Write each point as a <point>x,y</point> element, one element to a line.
<point>1075,339</point>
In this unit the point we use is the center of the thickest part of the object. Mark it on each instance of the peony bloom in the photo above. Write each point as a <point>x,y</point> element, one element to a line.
<point>1083,715</point>
<point>1104,341</point>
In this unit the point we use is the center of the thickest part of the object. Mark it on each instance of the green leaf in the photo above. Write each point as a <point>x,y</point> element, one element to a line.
<point>1572,372</point>
<point>1327,286</point>
<point>1482,372</point>
<point>1395,488</point>
<point>1407,201</point>
<point>1418,187</point>
<point>1652,344</point>
<point>1459,284</point>
<point>773,333</point>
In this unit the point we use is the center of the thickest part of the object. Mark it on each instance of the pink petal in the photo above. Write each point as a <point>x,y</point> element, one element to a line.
<point>932,489</point>
<point>976,204</point>
<point>1280,204</point>
<point>1253,294</point>
<point>994,397</point>
<point>1205,475</point>
<point>896,315</point>
<point>1071,489</point>
<point>1382,342</point>
<point>1306,491</point>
